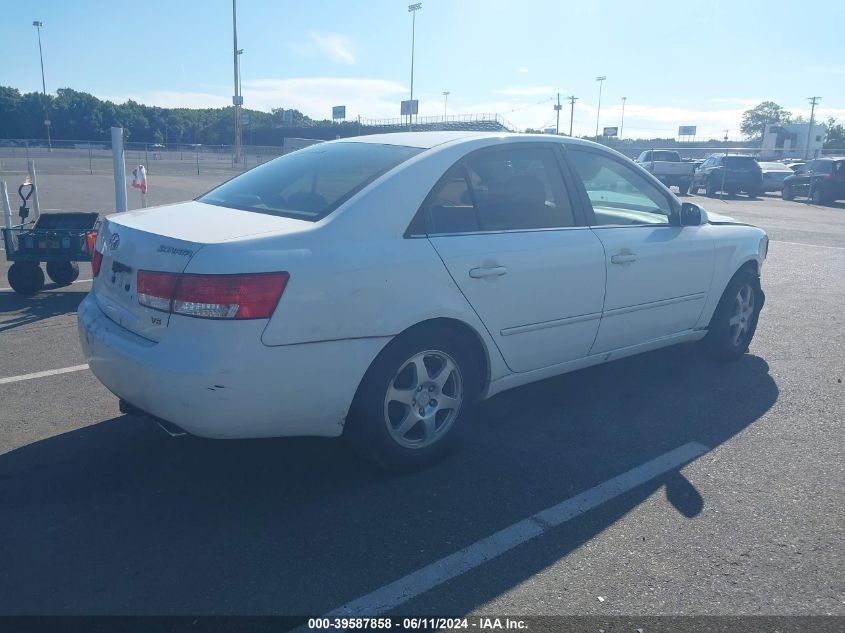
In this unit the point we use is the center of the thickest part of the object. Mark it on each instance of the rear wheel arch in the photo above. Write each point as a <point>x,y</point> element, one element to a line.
<point>431,327</point>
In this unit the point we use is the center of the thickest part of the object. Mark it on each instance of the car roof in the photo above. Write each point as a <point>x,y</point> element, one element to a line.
<point>427,140</point>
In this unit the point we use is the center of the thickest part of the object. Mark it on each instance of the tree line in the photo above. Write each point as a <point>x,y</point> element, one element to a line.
<point>76,115</point>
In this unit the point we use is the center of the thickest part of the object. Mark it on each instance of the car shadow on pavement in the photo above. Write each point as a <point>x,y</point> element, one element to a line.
<point>119,518</point>
<point>18,311</point>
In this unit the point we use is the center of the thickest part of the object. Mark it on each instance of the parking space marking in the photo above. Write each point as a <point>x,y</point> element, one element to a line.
<point>838,248</point>
<point>400,591</point>
<point>42,374</point>
<point>77,281</point>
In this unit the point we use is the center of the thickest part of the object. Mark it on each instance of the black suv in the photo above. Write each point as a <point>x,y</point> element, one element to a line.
<point>729,174</point>
<point>821,180</point>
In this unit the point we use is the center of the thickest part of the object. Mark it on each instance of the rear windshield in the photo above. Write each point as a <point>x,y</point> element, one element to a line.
<point>741,162</point>
<point>671,157</point>
<point>310,183</point>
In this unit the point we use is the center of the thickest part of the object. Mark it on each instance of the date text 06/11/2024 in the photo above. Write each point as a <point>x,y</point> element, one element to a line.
<point>422,624</point>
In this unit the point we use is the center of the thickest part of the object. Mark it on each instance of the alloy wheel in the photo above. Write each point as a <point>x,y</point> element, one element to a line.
<point>423,399</point>
<point>741,316</point>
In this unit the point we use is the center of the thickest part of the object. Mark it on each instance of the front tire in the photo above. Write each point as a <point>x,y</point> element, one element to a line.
<point>63,273</point>
<point>26,278</point>
<point>735,319</point>
<point>787,193</point>
<point>711,189</point>
<point>415,399</point>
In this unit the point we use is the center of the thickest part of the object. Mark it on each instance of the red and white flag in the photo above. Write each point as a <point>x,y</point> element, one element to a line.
<point>139,178</point>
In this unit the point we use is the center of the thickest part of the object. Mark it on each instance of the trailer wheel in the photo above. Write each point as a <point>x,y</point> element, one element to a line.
<point>63,273</point>
<point>26,278</point>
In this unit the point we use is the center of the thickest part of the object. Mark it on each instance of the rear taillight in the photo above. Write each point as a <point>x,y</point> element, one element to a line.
<point>247,296</point>
<point>155,290</point>
<point>96,262</point>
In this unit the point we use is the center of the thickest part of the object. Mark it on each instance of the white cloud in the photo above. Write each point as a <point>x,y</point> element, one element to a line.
<point>524,91</point>
<point>332,46</point>
<point>523,70</point>
<point>170,99</point>
<point>315,96</point>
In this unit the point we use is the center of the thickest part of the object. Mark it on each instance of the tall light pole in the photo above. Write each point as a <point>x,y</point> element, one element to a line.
<point>622,126</point>
<point>813,101</point>
<point>572,100</point>
<point>412,9</point>
<point>38,24</point>
<point>237,99</point>
<point>445,103</point>
<point>598,112</point>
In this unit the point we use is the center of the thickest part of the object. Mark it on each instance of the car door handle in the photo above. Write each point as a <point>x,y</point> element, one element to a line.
<point>623,258</point>
<point>494,271</point>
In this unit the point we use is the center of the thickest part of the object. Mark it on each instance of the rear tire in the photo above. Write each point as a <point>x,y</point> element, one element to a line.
<point>787,193</point>
<point>711,189</point>
<point>753,192</point>
<point>407,413</point>
<point>735,319</point>
<point>818,197</point>
<point>684,188</point>
<point>26,278</point>
<point>63,273</point>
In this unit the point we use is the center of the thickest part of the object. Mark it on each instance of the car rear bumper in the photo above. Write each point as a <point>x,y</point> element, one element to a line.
<point>216,379</point>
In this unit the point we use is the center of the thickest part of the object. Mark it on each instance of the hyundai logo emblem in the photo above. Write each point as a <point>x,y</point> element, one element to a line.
<point>114,242</point>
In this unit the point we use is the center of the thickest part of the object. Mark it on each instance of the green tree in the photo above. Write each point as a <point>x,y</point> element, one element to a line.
<point>835,135</point>
<point>754,121</point>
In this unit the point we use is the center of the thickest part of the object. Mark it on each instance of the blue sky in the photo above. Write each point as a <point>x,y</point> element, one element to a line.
<point>678,63</point>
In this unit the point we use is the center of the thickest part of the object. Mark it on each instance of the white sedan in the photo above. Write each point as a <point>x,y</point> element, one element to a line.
<point>378,287</point>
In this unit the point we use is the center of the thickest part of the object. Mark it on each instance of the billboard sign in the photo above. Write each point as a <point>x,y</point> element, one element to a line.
<point>686,130</point>
<point>338,112</point>
<point>611,131</point>
<point>410,107</point>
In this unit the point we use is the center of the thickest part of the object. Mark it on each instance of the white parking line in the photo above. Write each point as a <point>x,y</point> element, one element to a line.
<point>78,281</point>
<point>838,248</point>
<point>396,593</point>
<point>42,374</point>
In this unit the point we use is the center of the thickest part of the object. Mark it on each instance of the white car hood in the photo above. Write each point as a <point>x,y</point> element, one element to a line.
<point>205,223</point>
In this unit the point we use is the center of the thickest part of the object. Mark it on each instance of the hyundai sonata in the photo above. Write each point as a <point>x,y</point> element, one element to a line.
<point>378,287</point>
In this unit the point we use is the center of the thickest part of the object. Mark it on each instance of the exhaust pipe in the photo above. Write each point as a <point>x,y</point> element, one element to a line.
<point>168,427</point>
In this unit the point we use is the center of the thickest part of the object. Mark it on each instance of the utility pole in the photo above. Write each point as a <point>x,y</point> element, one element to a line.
<point>572,100</point>
<point>813,101</point>
<point>726,135</point>
<point>237,99</point>
<point>622,126</point>
<point>445,103</point>
<point>557,115</point>
<point>598,111</point>
<point>38,24</point>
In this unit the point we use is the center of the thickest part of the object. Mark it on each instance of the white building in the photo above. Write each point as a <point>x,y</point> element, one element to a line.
<point>789,140</point>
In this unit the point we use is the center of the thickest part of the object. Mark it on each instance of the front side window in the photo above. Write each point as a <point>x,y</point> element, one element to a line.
<point>823,167</point>
<point>310,183</point>
<point>619,193</point>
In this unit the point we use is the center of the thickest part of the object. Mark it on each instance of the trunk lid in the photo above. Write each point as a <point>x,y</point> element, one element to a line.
<point>165,239</point>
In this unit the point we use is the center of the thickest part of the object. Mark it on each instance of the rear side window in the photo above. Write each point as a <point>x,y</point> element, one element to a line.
<point>823,167</point>
<point>310,183</point>
<point>500,190</point>
<point>671,157</point>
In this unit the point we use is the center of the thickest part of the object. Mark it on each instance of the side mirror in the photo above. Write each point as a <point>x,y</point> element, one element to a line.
<point>690,214</point>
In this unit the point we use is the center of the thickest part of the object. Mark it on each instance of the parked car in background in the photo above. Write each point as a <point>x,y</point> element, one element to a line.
<point>667,166</point>
<point>773,176</point>
<point>378,287</point>
<point>729,174</point>
<point>795,165</point>
<point>821,180</point>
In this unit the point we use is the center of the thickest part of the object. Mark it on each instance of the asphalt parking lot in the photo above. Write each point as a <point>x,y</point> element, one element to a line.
<point>103,513</point>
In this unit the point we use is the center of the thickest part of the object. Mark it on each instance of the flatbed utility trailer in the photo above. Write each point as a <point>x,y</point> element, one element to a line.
<point>58,239</point>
